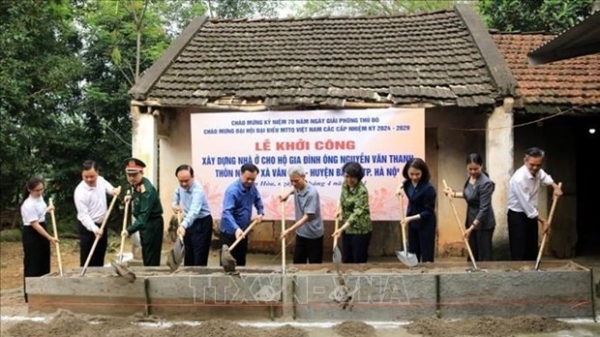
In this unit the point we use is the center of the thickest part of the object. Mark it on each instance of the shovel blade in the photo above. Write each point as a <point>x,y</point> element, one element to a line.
<point>407,258</point>
<point>337,258</point>
<point>178,251</point>
<point>227,260</point>
<point>175,256</point>
<point>123,271</point>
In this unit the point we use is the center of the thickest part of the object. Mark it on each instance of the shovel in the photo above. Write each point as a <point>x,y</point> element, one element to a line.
<point>409,259</point>
<point>227,259</point>
<point>283,245</point>
<point>58,257</point>
<point>337,255</point>
<point>119,267</point>
<point>87,262</point>
<point>462,230</point>
<point>177,253</point>
<point>550,216</point>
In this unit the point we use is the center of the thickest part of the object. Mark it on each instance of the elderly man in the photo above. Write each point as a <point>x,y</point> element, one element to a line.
<point>90,201</point>
<point>196,227</point>
<point>523,215</point>
<point>239,198</point>
<point>309,224</point>
<point>147,211</point>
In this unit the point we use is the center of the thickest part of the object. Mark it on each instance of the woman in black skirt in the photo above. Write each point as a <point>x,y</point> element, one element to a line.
<point>36,240</point>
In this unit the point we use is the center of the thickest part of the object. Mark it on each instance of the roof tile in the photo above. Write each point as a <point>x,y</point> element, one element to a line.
<point>574,82</point>
<point>417,58</point>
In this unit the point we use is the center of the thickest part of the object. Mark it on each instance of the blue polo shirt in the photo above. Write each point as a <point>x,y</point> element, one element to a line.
<point>306,201</point>
<point>237,207</point>
<point>195,203</point>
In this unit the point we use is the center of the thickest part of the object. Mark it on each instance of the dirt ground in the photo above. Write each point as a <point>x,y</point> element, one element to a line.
<point>486,325</point>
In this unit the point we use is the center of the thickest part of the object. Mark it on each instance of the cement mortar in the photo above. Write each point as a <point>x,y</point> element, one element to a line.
<point>65,323</point>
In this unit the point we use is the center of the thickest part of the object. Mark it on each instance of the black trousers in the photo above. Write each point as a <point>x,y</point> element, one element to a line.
<point>239,252</point>
<point>310,250</point>
<point>197,242</point>
<point>480,241</point>
<point>36,254</point>
<point>522,236</point>
<point>86,241</point>
<point>421,241</point>
<point>355,247</point>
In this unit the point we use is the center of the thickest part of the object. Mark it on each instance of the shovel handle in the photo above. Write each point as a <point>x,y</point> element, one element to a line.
<point>238,240</point>
<point>402,216</point>
<point>337,225</point>
<point>124,228</point>
<point>550,217</point>
<point>462,230</point>
<point>58,256</point>
<point>87,262</point>
<point>283,245</point>
<point>179,217</point>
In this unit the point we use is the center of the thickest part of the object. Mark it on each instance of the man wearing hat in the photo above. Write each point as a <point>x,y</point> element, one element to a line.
<point>147,211</point>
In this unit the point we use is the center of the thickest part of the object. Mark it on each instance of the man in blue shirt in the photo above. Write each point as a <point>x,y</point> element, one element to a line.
<point>239,198</point>
<point>309,224</point>
<point>196,226</point>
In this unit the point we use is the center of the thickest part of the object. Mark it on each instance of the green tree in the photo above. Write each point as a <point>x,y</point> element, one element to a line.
<point>232,9</point>
<point>369,7</point>
<point>40,72</point>
<point>535,15</point>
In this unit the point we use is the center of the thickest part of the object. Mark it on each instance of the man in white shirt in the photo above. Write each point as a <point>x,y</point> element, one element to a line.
<point>90,201</point>
<point>523,215</point>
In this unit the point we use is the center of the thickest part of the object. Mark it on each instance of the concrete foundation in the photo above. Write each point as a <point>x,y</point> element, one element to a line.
<point>371,292</point>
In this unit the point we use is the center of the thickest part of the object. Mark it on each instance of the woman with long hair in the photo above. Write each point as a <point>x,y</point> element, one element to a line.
<point>480,222</point>
<point>36,240</point>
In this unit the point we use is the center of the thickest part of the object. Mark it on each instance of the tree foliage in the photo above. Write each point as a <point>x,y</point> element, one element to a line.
<point>65,69</point>
<point>231,9</point>
<point>535,15</point>
<point>40,73</point>
<point>369,7</point>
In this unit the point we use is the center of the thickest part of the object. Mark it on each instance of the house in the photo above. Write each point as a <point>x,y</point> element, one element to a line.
<point>442,67</point>
<point>558,109</point>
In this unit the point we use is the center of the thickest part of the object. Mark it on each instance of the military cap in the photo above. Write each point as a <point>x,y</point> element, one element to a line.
<point>133,165</point>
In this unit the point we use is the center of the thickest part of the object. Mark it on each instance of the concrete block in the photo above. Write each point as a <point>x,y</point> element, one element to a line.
<point>208,293</point>
<point>376,297</point>
<point>100,291</point>
<point>556,294</point>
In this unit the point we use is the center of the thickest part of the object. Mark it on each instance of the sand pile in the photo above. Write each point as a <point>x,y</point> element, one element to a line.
<point>68,324</point>
<point>355,329</point>
<point>486,326</point>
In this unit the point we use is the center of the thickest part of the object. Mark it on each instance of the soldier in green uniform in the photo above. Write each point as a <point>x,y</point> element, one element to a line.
<point>147,211</point>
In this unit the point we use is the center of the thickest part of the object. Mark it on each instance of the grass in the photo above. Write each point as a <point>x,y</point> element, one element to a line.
<point>10,235</point>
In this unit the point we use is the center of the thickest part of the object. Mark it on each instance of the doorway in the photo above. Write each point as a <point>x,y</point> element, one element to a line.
<point>588,188</point>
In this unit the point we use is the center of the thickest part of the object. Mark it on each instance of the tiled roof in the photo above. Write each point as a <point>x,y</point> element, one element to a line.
<point>426,58</point>
<point>573,82</point>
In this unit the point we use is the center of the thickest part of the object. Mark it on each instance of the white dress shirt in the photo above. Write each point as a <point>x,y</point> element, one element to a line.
<point>33,209</point>
<point>91,203</point>
<point>524,191</point>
